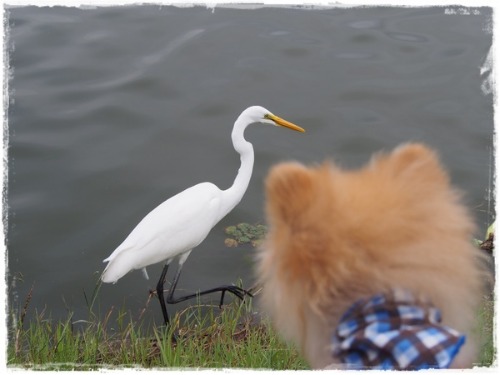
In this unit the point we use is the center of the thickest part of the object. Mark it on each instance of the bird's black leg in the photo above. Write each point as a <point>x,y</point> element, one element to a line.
<point>237,291</point>
<point>159,292</point>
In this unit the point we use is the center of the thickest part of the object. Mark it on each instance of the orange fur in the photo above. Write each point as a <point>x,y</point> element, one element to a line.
<point>336,236</point>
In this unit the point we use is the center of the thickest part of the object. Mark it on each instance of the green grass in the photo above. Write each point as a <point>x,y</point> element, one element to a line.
<point>486,328</point>
<point>207,338</point>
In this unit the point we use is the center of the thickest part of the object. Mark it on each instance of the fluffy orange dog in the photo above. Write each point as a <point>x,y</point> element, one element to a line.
<point>337,237</point>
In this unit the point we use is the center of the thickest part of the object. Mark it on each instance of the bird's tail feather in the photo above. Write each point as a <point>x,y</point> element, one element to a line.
<point>117,267</point>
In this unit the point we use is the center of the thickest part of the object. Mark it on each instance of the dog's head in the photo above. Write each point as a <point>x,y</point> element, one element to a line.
<point>336,236</point>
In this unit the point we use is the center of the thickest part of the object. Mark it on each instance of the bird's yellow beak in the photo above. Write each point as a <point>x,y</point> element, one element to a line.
<point>286,124</point>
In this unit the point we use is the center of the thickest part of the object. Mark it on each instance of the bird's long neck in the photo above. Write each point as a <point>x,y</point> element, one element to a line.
<point>240,184</point>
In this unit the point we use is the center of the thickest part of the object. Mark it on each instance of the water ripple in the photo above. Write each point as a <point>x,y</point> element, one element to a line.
<point>407,37</point>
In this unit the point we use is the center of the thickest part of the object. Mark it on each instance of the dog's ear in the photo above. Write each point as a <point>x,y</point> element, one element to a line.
<point>290,189</point>
<point>416,162</point>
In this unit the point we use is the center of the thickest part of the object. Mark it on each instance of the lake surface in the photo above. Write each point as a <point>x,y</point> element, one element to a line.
<point>113,110</point>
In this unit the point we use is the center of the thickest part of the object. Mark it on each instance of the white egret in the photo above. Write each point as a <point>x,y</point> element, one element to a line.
<point>182,222</point>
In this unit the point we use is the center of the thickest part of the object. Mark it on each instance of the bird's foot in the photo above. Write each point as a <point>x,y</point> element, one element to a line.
<point>174,340</point>
<point>170,333</point>
<point>235,290</point>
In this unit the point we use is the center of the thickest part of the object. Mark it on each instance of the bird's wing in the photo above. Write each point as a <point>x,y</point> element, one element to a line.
<point>174,227</point>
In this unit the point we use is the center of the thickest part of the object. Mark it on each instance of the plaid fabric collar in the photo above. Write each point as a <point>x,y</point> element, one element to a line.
<point>394,331</point>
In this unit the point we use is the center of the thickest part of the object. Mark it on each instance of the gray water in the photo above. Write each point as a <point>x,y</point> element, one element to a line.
<point>113,110</point>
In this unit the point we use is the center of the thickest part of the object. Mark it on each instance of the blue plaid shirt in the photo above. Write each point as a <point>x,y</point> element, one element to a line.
<point>394,331</point>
